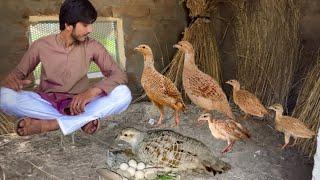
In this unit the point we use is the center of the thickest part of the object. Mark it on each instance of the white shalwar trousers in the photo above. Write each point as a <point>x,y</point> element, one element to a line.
<point>30,104</point>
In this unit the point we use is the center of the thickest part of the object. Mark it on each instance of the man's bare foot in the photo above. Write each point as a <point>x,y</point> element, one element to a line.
<point>30,126</point>
<point>91,127</point>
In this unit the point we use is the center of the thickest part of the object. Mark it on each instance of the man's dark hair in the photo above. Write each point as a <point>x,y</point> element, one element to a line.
<point>74,11</point>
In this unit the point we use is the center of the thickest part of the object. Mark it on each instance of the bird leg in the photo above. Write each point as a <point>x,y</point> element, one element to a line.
<point>245,116</point>
<point>229,147</point>
<point>294,143</point>
<point>161,114</point>
<point>286,140</point>
<point>177,118</point>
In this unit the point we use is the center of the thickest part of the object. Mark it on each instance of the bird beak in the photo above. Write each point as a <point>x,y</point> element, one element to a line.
<point>117,138</point>
<point>136,48</point>
<point>270,107</point>
<point>228,82</point>
<point>177,46</point>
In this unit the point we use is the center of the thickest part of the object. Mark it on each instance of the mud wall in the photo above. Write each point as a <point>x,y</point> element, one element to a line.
<point>158,23</point>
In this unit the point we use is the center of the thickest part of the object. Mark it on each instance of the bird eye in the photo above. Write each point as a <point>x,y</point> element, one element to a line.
<point>143,47</point>
<point>126,135</point>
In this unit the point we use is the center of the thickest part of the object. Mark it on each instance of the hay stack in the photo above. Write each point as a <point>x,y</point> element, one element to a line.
<point>308,107</point>
<point>267,46</point>
<point>202,36</point>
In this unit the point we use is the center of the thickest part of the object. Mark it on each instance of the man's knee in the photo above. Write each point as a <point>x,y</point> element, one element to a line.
<point>8,98</point>
<point>124,94</point>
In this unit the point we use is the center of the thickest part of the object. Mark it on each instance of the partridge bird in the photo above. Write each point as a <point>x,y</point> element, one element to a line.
<point>165,148</point>
<point>201,88</point>
<point>290,126</point>
<point>160,90</point>
<point>225,129</point>
<point>247,101</point>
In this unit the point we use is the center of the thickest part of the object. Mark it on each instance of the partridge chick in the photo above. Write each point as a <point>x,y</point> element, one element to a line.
<point>290,126</point>
<point>225,129</point>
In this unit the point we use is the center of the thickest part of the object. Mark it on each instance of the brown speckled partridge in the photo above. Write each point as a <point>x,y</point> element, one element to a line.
<point>201,88</point>
<point>225,129</point>
<point>165,148</point>
<point>290,126</point>
<point>247,101</point>
<point>160,89</point>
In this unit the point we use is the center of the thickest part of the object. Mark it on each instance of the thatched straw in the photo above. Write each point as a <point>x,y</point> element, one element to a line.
<point>308,107</point>
<point>6,124</point>
<point>201,35</point>
<point>267,46</point>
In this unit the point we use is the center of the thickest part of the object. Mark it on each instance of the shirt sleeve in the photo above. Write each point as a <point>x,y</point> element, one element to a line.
<point>114,76</point>
<point>28,62</point>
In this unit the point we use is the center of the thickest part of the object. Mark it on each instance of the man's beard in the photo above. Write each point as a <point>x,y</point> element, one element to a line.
<point>77,39</point>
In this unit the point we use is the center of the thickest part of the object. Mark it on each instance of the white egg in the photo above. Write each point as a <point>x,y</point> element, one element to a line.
<point>133,163</point>
<point>131,171</point>
<point>150,174</point>
<point>139,175</point>
<point>123,166</point>
<point>141,166</point>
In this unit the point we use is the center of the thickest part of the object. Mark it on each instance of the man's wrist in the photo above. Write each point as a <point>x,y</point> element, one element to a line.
<point>95,91</point>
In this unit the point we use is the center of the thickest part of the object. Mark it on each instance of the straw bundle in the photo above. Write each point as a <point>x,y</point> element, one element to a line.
<point>267,45</point>
<point>6,124</point>
<point>308,107</point>
<point>202,36</point>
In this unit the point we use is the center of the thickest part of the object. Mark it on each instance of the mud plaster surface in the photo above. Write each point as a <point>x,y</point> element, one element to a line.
<point>43,157</point>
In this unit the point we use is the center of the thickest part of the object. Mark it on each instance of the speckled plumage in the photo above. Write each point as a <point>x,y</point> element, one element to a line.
<point>225,129</point>
<point>201,88</point>
<point>290,126</point>
<point>160,89</point>
<point>165,148</point>
<point>247,101</point>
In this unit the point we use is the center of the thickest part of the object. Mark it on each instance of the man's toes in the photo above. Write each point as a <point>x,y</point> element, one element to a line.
<point>20,131</point>
<point>22,123</point>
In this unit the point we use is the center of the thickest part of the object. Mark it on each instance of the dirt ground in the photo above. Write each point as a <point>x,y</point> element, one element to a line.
<point>44,157</point>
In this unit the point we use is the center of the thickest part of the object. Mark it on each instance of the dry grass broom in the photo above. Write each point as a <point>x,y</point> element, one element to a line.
<point>6,124</point>
<point>202,36</point>
<point>267,46</point>
<point>308,107</point>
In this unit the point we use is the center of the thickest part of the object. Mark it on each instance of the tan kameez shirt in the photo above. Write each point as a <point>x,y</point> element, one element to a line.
<point>66,70</point>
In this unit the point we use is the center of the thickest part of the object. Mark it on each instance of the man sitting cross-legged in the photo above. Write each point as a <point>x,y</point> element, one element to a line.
<point>64,98</point>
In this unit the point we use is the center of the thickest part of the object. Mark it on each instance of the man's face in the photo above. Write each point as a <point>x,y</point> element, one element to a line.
<point>81,31</point>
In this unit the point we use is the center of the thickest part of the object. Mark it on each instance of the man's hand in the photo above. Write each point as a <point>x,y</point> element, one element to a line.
<point>13,82</point>
<point>79,101</point>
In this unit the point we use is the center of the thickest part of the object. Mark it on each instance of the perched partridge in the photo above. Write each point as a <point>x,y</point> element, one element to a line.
<point>160,89</point>
<point>201,88</point>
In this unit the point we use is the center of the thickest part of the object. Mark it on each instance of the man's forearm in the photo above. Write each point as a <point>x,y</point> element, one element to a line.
<point>95,91</point>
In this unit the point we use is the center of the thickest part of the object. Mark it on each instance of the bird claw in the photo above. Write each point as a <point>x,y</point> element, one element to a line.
<point>282,147</point>
<point>158,125</point>
<point>225,151</point>
<point>174,125</point>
